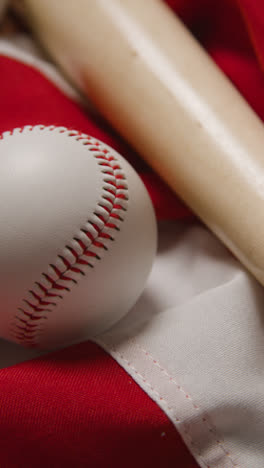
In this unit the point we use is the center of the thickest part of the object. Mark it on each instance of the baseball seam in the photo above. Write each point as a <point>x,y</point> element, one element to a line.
<point>83,251</point>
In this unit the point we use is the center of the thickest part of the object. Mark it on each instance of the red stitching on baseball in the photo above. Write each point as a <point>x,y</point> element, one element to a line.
<point>40,300</point>
<point>103,235</point>
<point>35,307</point>
<point>54,284</point>
<point>31,325</point>
<point>112,226</point>
<point>26,325</point>
<point>89,235</point>
<point>31,316</point>
<point>46,291</point>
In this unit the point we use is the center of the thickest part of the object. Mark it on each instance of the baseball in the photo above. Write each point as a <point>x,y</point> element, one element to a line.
<point>77,240</point>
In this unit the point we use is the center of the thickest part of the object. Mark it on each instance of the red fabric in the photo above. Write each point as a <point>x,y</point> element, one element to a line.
<point>252,11</point>
<point>77,407</point>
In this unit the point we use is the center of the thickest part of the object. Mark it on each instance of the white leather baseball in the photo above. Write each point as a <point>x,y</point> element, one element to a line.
<point>77,238</point>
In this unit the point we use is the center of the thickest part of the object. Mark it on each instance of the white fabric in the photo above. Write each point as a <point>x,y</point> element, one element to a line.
<point>195,343</point>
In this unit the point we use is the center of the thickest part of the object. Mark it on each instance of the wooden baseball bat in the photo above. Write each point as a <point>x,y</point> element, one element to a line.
<point>157,86</point>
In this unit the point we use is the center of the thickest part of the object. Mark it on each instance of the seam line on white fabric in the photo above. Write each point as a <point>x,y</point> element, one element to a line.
<point>169,410</point>
<point>205,420</point>
<point>164,403</point>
